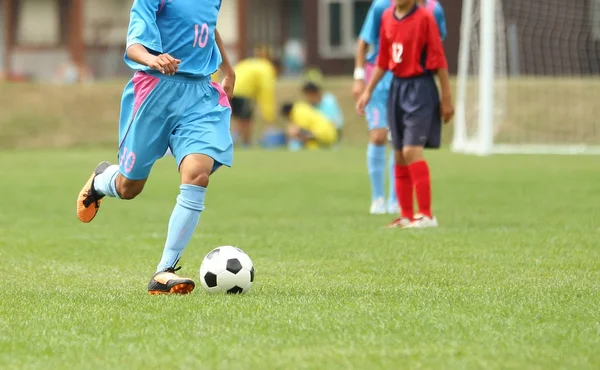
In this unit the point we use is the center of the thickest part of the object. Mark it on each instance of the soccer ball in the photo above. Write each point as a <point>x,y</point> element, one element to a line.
<point>227,270</point>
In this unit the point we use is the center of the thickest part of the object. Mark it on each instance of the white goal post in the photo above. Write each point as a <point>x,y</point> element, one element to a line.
<point>528,77</point>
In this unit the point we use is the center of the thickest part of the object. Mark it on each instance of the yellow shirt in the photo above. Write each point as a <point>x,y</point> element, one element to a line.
<point>310,119</point>
<point>256,79</point>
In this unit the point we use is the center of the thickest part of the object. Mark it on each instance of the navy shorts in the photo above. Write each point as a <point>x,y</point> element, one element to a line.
<point>414,112</point>
<point>242,108</point>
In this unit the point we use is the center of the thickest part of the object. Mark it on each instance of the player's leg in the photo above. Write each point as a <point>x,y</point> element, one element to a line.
<point>404,191</point>
<point>201,143</point>
<point>393,206</point>
<point>195,170</point>
<point>376,160</point>
<point>242,112</point>
<point>403,182</point>
<point>423,128</point>
<point>143,138</point>
<point>419,173</point>
<point>244,131</point>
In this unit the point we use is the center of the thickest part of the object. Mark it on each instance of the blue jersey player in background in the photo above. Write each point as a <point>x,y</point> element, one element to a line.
<point>376,111</point>
<point>438,12</point>
<point>174,47</point>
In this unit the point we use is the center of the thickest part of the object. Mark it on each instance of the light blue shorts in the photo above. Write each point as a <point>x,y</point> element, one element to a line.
<point>189,115</point>
<point>376,110</point>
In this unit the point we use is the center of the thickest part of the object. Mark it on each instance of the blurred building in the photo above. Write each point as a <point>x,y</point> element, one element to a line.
<point>42,38</point>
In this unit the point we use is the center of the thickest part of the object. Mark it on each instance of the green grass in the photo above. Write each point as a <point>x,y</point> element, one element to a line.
<point>529,110</point>
<point>511,279</point>
<point>541,110</point>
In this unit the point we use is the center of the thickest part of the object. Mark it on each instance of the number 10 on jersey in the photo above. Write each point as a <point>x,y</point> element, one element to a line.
<point>201,35</point>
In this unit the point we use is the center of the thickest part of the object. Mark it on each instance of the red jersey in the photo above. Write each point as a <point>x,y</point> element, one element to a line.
<point>411,46</point>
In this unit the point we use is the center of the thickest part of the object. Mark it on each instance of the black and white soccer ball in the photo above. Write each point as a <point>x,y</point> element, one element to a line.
<point>227,270</point>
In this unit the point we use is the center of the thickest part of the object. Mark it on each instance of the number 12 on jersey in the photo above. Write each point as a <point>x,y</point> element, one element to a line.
<point>397,50</point>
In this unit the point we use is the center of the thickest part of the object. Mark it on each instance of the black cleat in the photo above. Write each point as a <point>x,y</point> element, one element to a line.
<point>167,282</point>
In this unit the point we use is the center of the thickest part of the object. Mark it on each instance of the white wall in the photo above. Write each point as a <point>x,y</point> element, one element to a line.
<point>38,23</point>
<point>227,23</point>
<point>41,65</point>
<point>105,22</point>
<point>97,12</point>
<point>37,27</point>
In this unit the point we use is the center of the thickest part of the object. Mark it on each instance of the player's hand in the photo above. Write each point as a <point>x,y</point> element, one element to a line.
<point>362,102</point>
<point>228,84</point>
<point>164,63</point>
<point>447,109</point>
<point>358,88</point>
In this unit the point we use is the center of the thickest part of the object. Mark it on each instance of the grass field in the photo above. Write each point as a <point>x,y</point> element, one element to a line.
<point>511,279</point>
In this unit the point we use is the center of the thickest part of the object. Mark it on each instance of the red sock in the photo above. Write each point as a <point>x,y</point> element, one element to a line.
<point>404,191</point>
<point>419,173</point>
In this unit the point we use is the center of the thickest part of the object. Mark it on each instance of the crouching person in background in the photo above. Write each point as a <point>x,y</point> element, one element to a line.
<point>326,103</point>
<point>308,128</point>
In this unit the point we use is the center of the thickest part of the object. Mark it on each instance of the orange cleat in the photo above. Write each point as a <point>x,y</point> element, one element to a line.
<point>167,282</point>
<point>88,200</point>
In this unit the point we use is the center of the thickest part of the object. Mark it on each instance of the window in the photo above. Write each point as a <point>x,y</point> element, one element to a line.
<point>360,10</point>
<point>335,24</point>
<point>295,22</point>
<point>595,12</point>
<point>340,22</point>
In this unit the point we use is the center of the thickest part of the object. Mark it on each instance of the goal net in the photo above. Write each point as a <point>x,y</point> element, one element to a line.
<point>529,77</point>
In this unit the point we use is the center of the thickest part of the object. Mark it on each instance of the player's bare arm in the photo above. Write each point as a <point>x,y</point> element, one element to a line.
<point>226,68</point>
<point>365,97</point>
<point>163,63</point>
<point>359,68</point>
<point>446,107</point>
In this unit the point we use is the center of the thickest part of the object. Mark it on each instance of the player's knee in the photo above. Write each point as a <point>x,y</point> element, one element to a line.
<point>378,137</point>
<point>195,169</point>
<point>129,189</point>
<point>412,154</point>
<point>129,192</point>
<point>198,178</point>
<point>399,158</point>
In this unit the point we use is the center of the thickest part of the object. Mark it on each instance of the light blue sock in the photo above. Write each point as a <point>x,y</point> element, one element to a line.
<point>392,198</point>
<point>185,216</point>
<point>376,168</point>
<point>295,145</point>
<point>106,182</point>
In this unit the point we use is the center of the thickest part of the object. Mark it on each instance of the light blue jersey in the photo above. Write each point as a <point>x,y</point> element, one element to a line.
<point>331,109</point>
<point>184,29</point>
<point>185,112</point>
<point>438,12</point>
<point>376,110</point>
<point>369,32</point>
